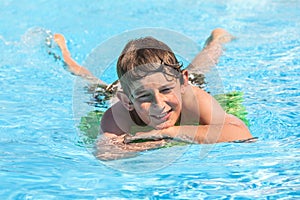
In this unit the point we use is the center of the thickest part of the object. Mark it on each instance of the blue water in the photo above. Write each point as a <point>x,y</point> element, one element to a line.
<point>42,155</point>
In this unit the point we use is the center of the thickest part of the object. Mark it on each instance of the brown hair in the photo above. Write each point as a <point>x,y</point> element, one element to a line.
<point>143,56</point>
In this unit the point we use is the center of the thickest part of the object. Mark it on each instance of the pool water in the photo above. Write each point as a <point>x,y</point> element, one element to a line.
<point>43,155</point>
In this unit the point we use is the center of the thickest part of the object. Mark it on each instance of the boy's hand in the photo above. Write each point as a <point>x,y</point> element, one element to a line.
<point>153,135</point>
<point>111,147</point>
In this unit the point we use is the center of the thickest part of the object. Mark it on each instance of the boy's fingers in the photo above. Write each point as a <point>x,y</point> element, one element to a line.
<point>147,136</point>
<point>131,138</point>
<point>127,139</point>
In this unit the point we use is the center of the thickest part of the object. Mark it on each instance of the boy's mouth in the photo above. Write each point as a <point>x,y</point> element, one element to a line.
<point>163,116</point>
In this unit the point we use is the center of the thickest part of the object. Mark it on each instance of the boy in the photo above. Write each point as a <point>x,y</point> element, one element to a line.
<point>157,103</point>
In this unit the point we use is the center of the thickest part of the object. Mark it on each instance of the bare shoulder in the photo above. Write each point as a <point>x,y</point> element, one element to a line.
<point>194,93</point>
<point>116,120</point>
<point>200,92</point>
<point>202,104</point>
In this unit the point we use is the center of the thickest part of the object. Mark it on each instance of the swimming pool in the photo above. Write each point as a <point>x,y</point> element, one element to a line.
<point>43,156</point>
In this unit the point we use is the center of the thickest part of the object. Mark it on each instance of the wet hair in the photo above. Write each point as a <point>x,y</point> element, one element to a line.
<point>143,56</point>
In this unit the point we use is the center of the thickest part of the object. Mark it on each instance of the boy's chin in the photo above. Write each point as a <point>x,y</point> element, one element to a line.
<point>163,126</point>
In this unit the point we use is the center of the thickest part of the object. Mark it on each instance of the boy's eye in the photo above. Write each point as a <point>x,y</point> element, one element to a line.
<point>145,97</point>
<point>166,90</point>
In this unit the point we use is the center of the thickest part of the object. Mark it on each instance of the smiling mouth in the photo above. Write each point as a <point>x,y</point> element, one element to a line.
<point>163,116</point>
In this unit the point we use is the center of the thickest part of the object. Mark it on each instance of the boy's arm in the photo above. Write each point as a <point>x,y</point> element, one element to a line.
<point>231,130</point>
<point>216,124</point>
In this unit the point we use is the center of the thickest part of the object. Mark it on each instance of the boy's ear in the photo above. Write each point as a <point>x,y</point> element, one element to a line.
<point>184,80</point>
<point>125,100</point>
<point>185,77</point>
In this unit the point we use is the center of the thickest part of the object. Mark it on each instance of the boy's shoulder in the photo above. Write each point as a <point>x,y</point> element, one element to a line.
<point>193,92</point>
<point>116,119</point>
<point>196,99</point>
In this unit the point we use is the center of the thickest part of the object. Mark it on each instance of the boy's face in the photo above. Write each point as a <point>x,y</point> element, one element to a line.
<point>157,99</point>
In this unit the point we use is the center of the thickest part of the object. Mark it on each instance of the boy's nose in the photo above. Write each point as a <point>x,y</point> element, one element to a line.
<point>158,100</point>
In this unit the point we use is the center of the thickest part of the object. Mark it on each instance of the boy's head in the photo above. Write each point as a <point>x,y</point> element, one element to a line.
<point>144,56</point>
<point>152,81</point>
